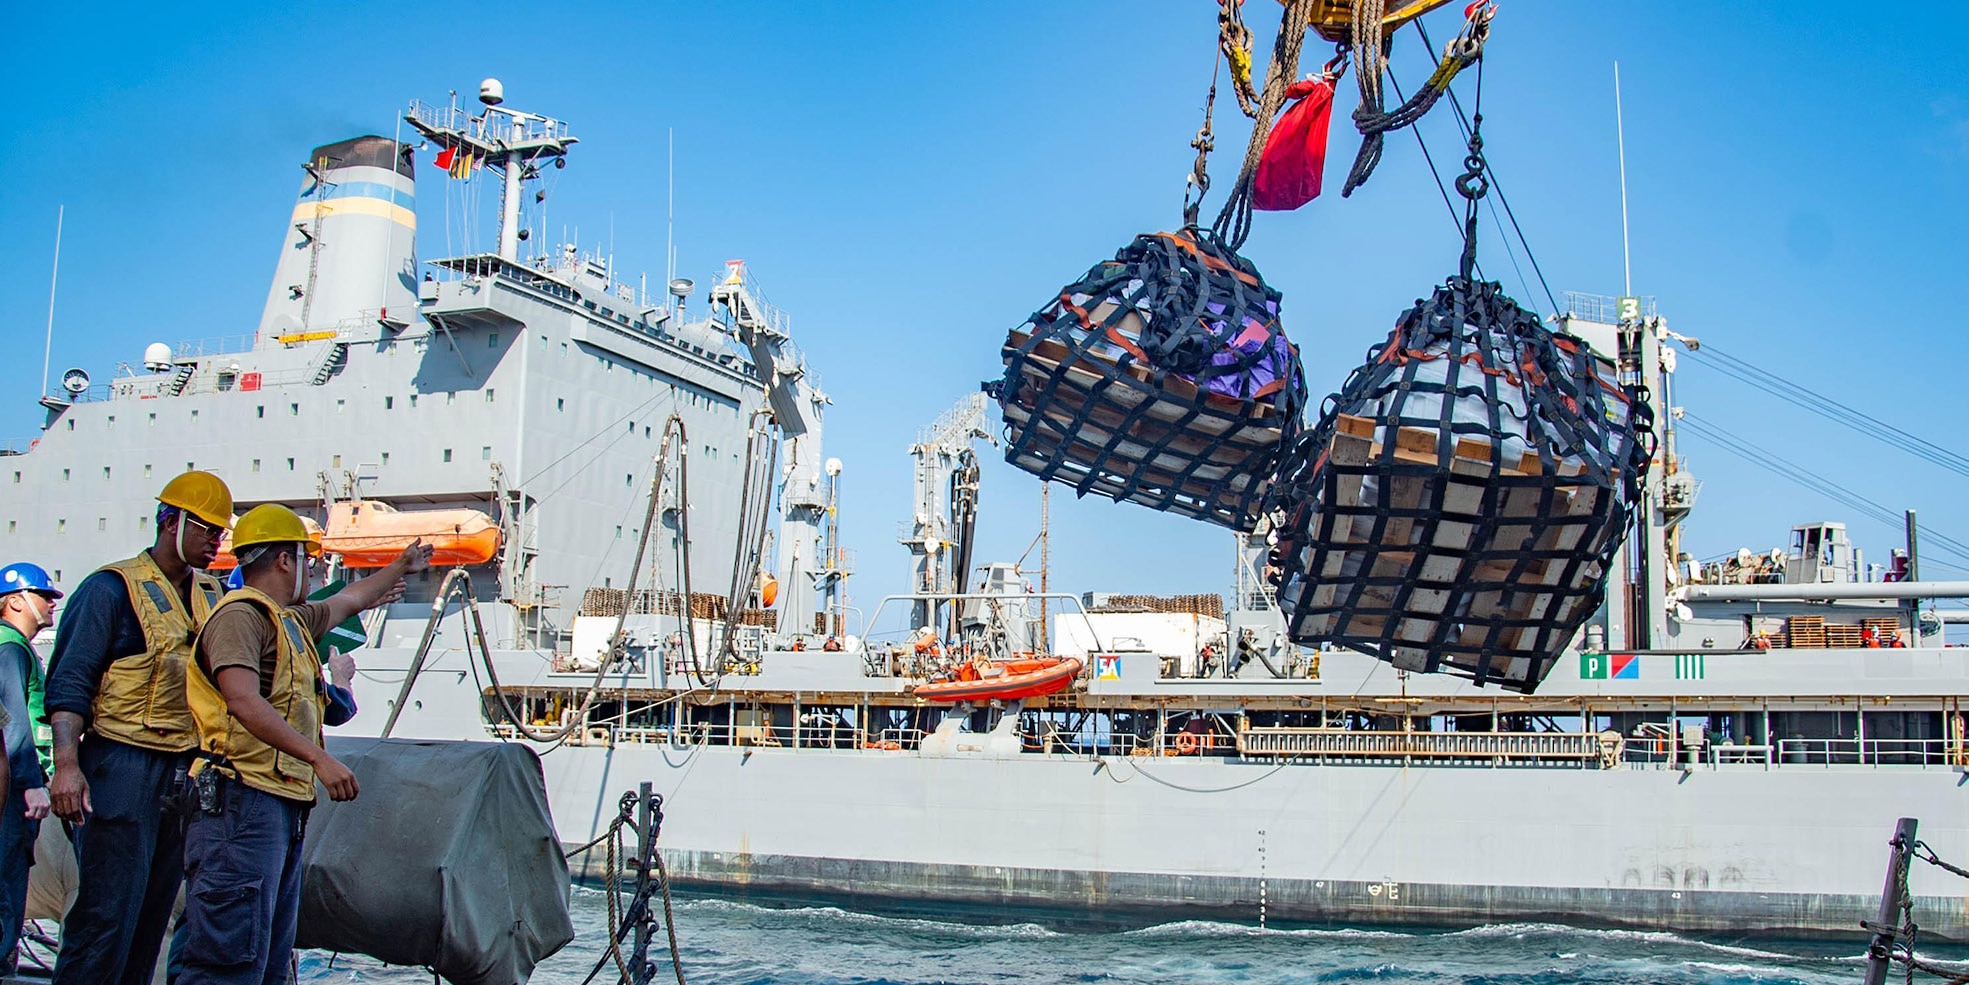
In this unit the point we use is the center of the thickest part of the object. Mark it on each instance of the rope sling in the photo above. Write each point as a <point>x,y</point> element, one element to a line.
<point>1458,505</point>
<point>1163,377</point>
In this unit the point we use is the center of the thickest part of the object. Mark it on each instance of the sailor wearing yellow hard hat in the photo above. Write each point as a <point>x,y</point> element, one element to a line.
<point>123,733</point>
<point>257,697</point>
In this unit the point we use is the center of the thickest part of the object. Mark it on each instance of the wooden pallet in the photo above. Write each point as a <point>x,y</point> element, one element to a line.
<point>1805,632</point>
<point>1842,636</point>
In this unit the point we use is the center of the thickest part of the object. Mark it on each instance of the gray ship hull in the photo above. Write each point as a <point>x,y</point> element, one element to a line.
<point>1784,850</point>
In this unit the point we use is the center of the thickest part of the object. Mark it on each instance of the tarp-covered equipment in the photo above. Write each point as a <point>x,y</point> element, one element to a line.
<point>1162,377</point>
<point>449,860</point>
<point>1459,503</point>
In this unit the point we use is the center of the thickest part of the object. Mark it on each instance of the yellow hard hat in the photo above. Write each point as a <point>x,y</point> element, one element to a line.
<point>271,524</point>
<point>201,494</point>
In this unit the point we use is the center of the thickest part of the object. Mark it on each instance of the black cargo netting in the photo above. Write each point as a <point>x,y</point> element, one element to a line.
<point>1458,506</point>
<point>1160,378</point>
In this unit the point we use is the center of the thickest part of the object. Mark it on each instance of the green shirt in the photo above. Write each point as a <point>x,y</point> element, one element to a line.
<point>37,692</point>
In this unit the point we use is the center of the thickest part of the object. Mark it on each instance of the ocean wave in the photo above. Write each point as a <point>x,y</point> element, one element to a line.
<point>835,914</point>
<point>1216,928</point>
<point>1516,930</point>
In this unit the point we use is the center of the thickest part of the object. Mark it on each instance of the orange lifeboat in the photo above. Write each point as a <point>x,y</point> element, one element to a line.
<point>226,562</point>
<point>1003,680</point>
<point>369,534</point>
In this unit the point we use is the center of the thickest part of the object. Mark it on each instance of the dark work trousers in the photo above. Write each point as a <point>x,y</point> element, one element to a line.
<point>242,889</point>
<point>17,835</point>
<point>129,858</point>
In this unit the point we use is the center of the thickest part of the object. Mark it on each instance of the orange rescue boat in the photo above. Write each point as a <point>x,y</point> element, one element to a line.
<point>226,562</point>
<point>1003,680</point>
<point>369,534</point>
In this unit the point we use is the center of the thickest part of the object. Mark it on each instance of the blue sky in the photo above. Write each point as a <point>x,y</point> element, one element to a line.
<point>909,180</point>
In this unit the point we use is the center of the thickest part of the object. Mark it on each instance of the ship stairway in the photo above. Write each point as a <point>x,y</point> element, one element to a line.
<point>180,379</point>
<point>332,360</point>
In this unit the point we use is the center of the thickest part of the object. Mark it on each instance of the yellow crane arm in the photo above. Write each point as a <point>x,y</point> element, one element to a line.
<point>1334,19</point>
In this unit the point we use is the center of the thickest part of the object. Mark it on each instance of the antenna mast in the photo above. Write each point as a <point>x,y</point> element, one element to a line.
<point>48,348</point>
<point>1620,135</point>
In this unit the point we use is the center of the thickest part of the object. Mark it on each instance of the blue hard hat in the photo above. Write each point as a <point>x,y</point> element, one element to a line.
<point>24,577</point>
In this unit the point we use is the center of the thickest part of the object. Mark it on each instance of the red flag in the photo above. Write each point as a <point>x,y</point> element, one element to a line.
<point>1289,170</point>
<point>444,158</point>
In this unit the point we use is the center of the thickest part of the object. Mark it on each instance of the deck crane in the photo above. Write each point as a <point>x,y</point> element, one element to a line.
<point>940,533</point>
<point>798,406</point>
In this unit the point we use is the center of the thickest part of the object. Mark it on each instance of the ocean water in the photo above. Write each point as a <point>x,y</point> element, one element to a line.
<point>740,944</point>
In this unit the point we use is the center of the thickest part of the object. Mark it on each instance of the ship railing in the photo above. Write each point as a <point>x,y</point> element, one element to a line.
<point>1870,752</point>
<point>1583,748</point>
<point>216,345</point>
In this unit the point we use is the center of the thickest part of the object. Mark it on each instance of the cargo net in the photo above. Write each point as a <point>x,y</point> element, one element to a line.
<point>1459,503</point>
<point>1160,378</point>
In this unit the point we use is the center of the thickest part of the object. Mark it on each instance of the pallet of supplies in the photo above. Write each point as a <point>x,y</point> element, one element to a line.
<point>1458,505</point>
<point>1162,378</point>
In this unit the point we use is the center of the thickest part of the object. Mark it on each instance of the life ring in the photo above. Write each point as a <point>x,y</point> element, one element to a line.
<point>1188,743</point>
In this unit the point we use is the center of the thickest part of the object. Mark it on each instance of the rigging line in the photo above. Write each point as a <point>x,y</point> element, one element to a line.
<point>633,411</point>
<point>1464,124</point>
<point>1441,189</point>
<point>1739,446</point>
<point>1813,400</point>
<point>1940,458</point>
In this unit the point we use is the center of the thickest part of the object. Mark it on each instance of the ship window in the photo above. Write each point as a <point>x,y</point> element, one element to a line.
<point>543,343</point>
<point>632,427</point>
<point>386,458</point>
<point>290,465</point>
<point>189,466</point>
<point>337,463</point>
<point>339,404</point>
<point>143,522</point>
<point>618,531</point>
<point>447,454</point>
<point>153,416</point>
<point>451,396</point>
<point>61,526</point>
<point>64,475</point>
<point>488,394</point>
<point>560,403</point>
<point>194,415</point>
<point>645,430</point>
<point>102,523</point>
<point>111,421</point>
<point>492,340</point>
<point>564,350</point>
<point>105,473</point>
<point>629,480</point>
<point>256,465</point>
<point>485,453</point>
<point>413,400</point>
<point>389,403</point>
<point>71,424</point>
<point>293,410</point>
<point>146,471</point>
<point>258,412</point>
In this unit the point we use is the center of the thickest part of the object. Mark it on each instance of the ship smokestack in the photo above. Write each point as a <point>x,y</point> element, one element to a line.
<point>349,259</point>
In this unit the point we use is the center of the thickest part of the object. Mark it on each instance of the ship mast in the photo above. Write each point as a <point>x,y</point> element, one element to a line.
<point>512,142</point>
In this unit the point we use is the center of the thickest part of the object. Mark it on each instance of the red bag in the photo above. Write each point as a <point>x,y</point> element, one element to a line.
<point>1290,168</point>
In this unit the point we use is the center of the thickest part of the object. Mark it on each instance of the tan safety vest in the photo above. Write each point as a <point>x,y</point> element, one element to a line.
<point>296,692</point>
<point>141,700</point>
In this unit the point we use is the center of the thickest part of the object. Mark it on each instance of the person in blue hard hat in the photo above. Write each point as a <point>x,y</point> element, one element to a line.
<point>27,606</point>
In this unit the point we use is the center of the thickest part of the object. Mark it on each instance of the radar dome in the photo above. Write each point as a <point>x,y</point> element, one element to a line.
<point>157,357</point>
<point>491,92</point>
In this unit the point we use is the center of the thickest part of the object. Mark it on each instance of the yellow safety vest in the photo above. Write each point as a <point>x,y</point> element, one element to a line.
<point>141,700</point>
<point>296,692</point>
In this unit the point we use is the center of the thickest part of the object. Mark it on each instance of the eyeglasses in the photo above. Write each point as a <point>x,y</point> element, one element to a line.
<point>199,525</point>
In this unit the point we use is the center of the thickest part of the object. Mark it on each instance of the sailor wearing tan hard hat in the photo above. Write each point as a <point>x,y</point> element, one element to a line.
<point>257,697</point>
<point>123,733</point>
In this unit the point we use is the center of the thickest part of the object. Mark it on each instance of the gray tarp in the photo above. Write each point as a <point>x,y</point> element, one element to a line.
<point>447,860</point>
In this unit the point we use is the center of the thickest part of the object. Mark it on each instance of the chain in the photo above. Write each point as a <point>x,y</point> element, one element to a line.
<point>1472,184</point>
<point>1927,854</point>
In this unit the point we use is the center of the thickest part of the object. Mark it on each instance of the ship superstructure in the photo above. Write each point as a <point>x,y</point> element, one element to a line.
<point>1718,750</point>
